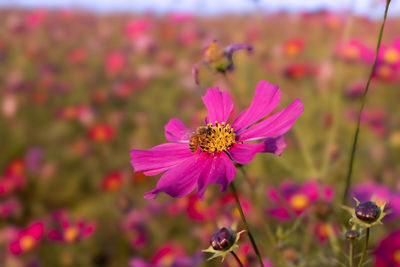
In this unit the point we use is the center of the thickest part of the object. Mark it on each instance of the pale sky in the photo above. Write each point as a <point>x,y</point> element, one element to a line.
<point>367,7</point>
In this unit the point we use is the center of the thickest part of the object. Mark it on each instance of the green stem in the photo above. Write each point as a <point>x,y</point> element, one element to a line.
<point>363,100</point>
<point>237,259</point>
<point>364,252</point>
<point>351,254</point>
<point>246,226</point>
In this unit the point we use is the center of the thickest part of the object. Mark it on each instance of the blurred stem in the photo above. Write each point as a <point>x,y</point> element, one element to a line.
<point>234,91</point>
<point>237,259</point>
<point>364,252</point>
<point>363,100</point>
<point>271,238</point>
<point>246,226</point>
<point>351,254</point>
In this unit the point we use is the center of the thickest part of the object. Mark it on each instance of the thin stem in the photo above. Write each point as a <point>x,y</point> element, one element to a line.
<point>364,251</point>
<point>363,100</point>
<point>351,254</point>
<point>233,90</point>
<point>246,226</point>
<point>237,259</point>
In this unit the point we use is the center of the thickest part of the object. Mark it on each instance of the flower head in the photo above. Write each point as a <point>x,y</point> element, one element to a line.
<point>298,198</point>
<point>366,214</point>
<point>388,252</point>
<point>27,238</point>
<point>218,58</point>
<point>206,156</point>
<point>68,231</point>
<point>223,242</point>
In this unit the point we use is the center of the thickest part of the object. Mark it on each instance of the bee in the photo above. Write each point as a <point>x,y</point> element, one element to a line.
<point>194,140</point>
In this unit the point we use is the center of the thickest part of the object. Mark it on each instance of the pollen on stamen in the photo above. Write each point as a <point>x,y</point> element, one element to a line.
<point>219,138</point>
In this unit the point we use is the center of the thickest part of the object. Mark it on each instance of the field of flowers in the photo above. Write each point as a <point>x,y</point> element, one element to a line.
<point>84,97</point>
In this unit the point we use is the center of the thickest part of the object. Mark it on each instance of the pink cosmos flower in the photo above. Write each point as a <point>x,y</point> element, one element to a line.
<point>218,145</point>
<point>169,254</point>
<point>293,47</point>
<point>354,51</point>
<point>298,198</point>
<point>68,231</point>
<point>387,253</point>
<point>27,238</point>
<point>114,63</point>
<point>9,208</point>
<point>390,54</point>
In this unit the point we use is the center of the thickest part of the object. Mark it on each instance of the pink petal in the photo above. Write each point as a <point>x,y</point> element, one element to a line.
<point>159,158</point>
<point>175,131</point>
<point>280,213</point>
<point>244,153</point>
<point>266,98</point>
<point>311,190</point>
<point>181,179</point>
<point>218,169</point>
<point>273,195</point>
<point>218,104</point>
<point>275,125</point>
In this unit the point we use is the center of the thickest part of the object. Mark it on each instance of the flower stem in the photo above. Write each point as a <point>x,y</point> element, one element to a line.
<point>351,254</point>
<point>239,207</point>
<point>364,252</point>
<point>363,100</point>
<point>237,259</point>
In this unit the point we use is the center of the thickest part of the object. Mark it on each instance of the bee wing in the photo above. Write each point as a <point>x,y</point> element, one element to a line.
<point>184,137</point>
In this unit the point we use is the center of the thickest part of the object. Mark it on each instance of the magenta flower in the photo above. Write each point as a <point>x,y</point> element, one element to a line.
<point>298,198</point>
<point>68,231</point>
<point>27,238</point>
<point>387,253</point>
<point>209,159</point>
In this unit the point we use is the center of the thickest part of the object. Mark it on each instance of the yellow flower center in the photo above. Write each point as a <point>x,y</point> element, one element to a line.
<point>352,52</point>
<point>167,260</point>
<point>70,234</point>
<point>27,242</point>
<point>217,138</point>
<point>292,49</point>
<point>391,56</point>
<point>299,201</point>
<point>323,230</point>
<point>396,256</point>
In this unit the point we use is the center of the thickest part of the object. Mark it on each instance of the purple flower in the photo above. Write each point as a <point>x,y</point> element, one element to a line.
<point>207,157</point>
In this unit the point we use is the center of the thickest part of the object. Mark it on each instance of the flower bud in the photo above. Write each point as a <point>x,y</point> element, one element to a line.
<point>352,234</point>
<point>367,211</point>
<point>223,239</point>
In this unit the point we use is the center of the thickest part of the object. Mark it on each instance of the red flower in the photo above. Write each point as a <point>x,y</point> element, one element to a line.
<point>112,181</point>
<point>101,133</point>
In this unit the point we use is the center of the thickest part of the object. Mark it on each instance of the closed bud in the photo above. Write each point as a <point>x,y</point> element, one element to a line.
<point>352,234</point>
<point>223,239</point>
<point>367,211</point>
